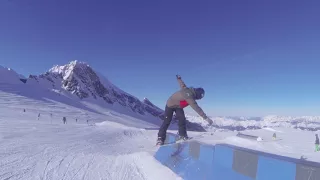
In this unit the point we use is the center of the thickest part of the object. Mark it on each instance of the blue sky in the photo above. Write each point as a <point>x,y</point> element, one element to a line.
<point>251,57</point>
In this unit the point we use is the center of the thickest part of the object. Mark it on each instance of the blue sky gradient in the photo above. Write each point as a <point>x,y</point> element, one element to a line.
<point>252,57</point>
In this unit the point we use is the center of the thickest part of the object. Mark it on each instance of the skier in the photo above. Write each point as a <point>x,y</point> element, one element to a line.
<point>179,100</point>
<point>64,120</point>
<point>317,143</point>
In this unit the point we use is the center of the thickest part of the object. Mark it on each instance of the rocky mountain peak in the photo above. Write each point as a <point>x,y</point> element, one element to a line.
<point>81,80</point>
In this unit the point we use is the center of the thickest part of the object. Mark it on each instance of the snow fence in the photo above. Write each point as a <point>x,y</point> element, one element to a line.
<point>193,160</point>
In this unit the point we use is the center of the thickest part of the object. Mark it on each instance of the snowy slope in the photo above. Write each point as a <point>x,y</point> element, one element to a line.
<point>103,143</point>
<point>110,146</point>
<point>48,149</point>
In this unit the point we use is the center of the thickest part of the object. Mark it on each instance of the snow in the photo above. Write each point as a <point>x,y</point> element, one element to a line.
<point>271,129</point>
<point>108,84</point>
<point>8,75</point>
<point>83,82</point>
<point>48,149</point>
<point>289,142</point>
<point>111,146</point>
<point>66,70</point>
<point>303,122</point>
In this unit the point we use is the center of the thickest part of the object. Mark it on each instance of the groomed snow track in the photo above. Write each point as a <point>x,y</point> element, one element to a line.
<point>193,160</point>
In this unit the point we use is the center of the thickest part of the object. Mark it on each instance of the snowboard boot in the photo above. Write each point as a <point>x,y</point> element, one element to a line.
<point>182,138</point>
<point>160,141</point>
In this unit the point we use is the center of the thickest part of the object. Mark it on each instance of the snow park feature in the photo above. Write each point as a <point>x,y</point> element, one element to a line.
<point>194,160</point>
<point>247,136</point>
<point>111,134</point>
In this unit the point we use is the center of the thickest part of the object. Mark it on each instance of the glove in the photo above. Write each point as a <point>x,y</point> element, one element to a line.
<point>209,121</point>
<point>178,76</point>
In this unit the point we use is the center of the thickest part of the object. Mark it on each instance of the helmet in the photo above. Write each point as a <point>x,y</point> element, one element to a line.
<point>199,93</point>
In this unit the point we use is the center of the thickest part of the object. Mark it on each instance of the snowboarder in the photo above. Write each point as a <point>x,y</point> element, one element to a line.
<point>76,119</point>
<point>274,136</point>
<point>179,100</point>
<point>64,120</point>
<point>317,143</point>
<point>38,116</point>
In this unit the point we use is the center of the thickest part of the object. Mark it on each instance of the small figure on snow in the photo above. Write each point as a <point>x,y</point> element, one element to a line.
<point>317,143</point>
<point>38,116</point>
<point>24,110</point>
<point>76,120</point>
<point>179,100</point>
<point>64,120</point>
<point>274,136</point>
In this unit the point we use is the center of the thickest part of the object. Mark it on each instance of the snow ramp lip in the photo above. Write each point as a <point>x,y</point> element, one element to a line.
<point>193,160</point>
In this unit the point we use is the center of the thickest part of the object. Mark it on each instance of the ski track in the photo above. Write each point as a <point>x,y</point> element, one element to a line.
<point>43,151</point>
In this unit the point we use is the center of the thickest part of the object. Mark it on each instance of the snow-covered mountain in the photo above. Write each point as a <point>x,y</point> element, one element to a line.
<point>79,82</point>
<point>79,79</point>
<point>310,123</point>
<point>9,75</point>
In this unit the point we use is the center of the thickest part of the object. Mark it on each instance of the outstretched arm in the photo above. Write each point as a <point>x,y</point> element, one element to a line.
<point>195,105</point>
<point>181,83</point>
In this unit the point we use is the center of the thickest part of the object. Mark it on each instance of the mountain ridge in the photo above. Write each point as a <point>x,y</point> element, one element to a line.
<point>78,80</point>
<point>81,80</point>
<point>310,123</point>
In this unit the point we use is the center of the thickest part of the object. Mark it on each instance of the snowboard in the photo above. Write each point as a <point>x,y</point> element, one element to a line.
<point>176,142</point>
<point>181,140</point>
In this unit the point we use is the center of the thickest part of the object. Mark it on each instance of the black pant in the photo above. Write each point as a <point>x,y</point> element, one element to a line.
<point>168,117</point>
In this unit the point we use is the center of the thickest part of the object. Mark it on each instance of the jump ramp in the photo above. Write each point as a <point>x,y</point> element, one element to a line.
<point>195,161</point>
